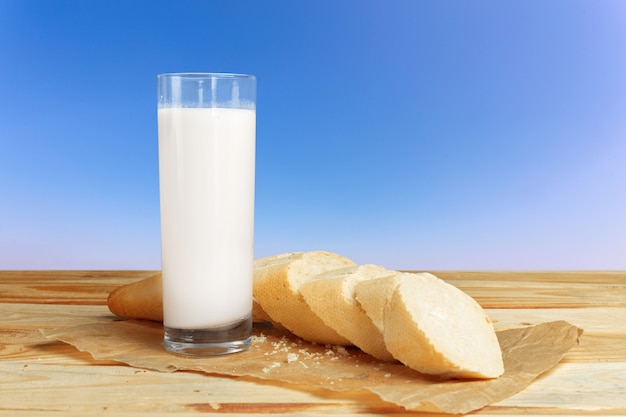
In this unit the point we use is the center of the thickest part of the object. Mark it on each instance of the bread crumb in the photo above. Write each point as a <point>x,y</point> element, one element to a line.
<point>272,366</point>
<point>261,338</point>
<point>334,350</point>
<point>281,345</point>
<point>342,351</point>
<point>292,357</point>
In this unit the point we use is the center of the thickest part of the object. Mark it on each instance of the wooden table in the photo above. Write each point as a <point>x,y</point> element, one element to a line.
<point>43,377</point>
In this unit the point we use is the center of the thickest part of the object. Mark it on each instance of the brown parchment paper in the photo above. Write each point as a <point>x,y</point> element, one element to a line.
<point>278,355</point>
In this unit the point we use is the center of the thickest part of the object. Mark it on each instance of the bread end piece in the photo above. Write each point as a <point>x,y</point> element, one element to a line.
<point>144,300</point>
<point>138,300</point>
<point>435,328</point>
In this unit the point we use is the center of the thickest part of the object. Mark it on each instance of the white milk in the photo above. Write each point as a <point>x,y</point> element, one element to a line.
<point>206,164</point>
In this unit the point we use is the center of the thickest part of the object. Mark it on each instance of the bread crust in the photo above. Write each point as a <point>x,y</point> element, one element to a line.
<point>138,300</point>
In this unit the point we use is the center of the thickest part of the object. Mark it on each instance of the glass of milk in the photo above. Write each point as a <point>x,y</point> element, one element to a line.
<point>207,137</point>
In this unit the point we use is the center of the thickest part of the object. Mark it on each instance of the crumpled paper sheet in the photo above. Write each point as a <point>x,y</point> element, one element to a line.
<point>278,355</point>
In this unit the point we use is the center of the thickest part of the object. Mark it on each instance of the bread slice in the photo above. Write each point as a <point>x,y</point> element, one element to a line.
<point>331,296</point>
<point>277,282</point>
<point>372,295</point>
<point>435,328</point>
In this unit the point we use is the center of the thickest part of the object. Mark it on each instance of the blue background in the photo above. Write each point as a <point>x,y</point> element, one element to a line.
<point>411,134</point>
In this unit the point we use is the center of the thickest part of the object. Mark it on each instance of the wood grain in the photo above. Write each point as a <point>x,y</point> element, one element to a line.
<point>64,287</point>
<point>43,378</point>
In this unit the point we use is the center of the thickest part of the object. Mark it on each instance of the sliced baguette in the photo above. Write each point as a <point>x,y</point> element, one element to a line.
<point>435,328</point>
<point>322,297</point>
<point>277,283</point>
<point>331,296</point>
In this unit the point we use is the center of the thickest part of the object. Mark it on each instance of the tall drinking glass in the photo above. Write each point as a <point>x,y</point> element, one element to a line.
<point>207,137</point>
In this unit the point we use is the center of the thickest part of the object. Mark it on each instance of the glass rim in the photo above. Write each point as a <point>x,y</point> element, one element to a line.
<point>207,75</point>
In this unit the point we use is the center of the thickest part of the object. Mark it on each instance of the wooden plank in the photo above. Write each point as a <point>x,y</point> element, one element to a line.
<point>568,384</point>
<point>568,277</point>
<point>596,320</point>
<point>124,389</point>
<point>568,289</point>
<point>64,287</point>
<point>50,315</point>
<point>544,297</point>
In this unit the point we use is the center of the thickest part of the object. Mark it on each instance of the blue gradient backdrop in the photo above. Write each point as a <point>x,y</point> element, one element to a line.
<point>411,134</point>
